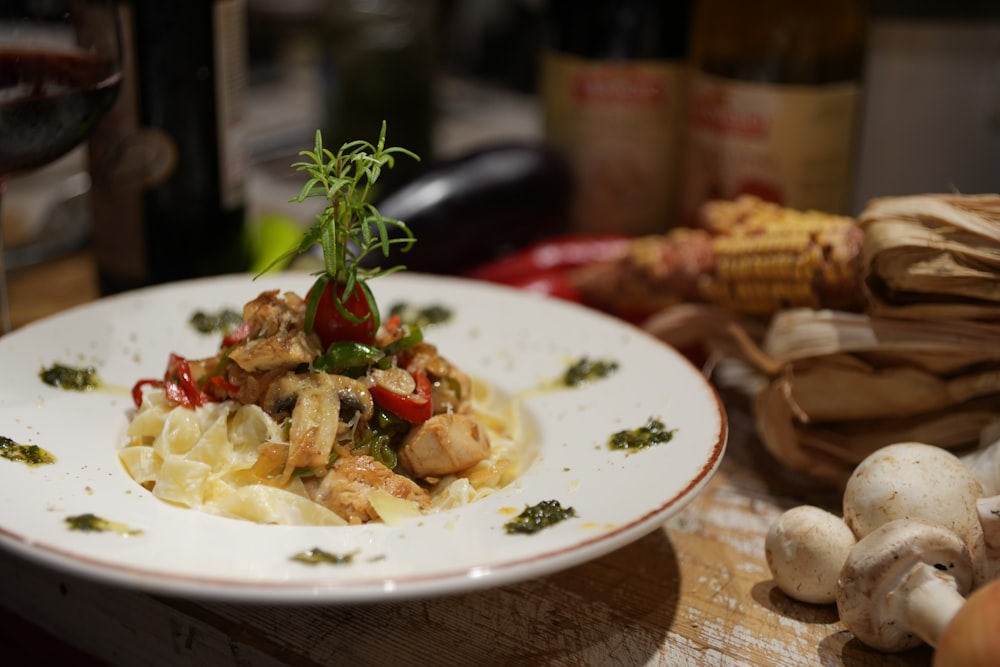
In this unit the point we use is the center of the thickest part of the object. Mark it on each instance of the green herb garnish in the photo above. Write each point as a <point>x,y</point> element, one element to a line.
<point>350,227</point>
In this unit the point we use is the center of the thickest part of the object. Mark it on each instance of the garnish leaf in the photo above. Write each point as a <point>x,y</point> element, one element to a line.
<point>350,227</point>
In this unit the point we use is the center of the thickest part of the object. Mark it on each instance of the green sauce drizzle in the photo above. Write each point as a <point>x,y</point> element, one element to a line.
<point>223,321</point>
<point>536,517</point>
<point>33,455</point>
<point>91,523</point>
<point>586,370</point>
<point>652,433</point>
<point>421,317</point>
<point>67,377</point>
<point>316,556</point>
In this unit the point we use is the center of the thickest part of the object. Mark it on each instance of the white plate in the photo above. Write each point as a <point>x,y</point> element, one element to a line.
<point>512,340</point>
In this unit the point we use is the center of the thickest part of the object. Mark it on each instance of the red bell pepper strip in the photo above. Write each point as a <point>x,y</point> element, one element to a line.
<point>416,407</point>
<point>236,335</point>
<point>137,390</point>
<point>178,385</point>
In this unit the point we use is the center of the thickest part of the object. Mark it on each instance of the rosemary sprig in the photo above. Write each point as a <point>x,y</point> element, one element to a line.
<point>350,227</point>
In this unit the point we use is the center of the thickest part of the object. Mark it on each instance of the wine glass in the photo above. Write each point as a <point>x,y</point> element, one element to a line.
<point>60,70</point>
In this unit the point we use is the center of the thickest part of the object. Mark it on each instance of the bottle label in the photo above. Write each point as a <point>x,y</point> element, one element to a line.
<point>617,123</point>
<point>789,144</point>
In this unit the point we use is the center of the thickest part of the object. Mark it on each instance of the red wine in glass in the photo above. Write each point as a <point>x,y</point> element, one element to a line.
<point>49,103</point>
<point>60,70</point>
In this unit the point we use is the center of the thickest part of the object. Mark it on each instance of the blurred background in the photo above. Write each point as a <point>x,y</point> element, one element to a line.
<point>457,76</point>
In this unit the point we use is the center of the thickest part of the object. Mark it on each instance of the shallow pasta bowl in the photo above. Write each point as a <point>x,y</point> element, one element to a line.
<point>516,342</point>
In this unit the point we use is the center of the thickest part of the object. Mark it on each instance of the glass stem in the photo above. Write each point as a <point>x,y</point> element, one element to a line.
<point>4,308</point>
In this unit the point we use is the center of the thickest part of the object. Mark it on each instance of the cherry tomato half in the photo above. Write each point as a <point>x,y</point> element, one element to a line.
<point>333,326</point>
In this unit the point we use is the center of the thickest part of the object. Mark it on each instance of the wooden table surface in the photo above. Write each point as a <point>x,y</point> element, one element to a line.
<point>695,592</point>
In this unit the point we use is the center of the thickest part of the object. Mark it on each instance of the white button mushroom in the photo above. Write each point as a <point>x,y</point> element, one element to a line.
<point>805,549</point>
<point>903,583</point>
<point>912,480</point>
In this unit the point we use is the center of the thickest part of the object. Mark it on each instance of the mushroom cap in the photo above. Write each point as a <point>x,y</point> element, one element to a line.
<point>805,549</point>
<point>870,590</point>
<point>912,480</point>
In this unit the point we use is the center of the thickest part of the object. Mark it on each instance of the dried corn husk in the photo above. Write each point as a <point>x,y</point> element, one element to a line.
<point>933,256</point>
<point>941,346</point>
<point>851,383</point>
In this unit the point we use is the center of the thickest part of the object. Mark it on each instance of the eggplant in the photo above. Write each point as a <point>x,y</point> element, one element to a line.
<point>478,206</point>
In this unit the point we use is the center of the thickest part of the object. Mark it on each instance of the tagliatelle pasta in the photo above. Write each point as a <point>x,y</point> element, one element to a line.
<point>203,459</point>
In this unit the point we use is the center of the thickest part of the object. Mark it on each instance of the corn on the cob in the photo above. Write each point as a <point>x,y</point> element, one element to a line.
<point>810,259</point>
<point>749,256</point>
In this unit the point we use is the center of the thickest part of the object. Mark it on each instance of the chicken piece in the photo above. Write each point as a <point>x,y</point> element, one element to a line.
<point>444,444</point>
<point>276,338</point>
<point>346,487</point>
<point>270,314</point>
<point>314,401</point>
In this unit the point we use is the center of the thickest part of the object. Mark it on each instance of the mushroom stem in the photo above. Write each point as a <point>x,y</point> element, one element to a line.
<point>926,601</point>
<point>902,583</point>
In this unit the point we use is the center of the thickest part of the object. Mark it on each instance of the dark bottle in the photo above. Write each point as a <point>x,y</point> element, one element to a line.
<point>612,86</point>
<point>774,102</point>
<point>168,164</point>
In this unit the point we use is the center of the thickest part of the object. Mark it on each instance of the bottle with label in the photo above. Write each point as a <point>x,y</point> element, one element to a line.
<point>773,107</point>
<point>612,89</point>
<point>168,163</point>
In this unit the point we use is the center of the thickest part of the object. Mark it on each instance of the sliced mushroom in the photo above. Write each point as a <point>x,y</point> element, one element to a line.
<point>281,396</point>
<point>314,403</point>
<point>805,550</point>
<point>902,583</point>
<point>444,444</point>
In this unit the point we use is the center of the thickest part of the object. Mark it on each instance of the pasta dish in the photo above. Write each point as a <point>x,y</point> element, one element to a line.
<point>280,428</point>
